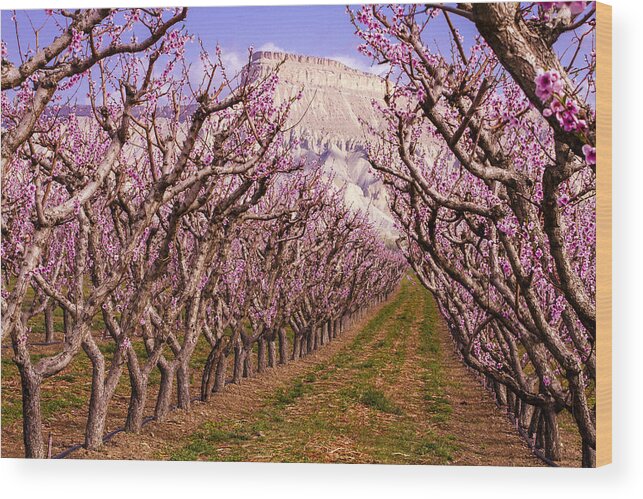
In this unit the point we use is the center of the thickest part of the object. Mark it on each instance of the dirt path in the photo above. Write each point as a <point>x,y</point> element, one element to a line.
<point>388,391</point>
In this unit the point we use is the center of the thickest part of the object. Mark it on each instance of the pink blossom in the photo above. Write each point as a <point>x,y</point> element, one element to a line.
<point>568,121</point>
<point>548,83</point>
<point>590,154</point>
<point>556,106</point>
<point>563,200</point>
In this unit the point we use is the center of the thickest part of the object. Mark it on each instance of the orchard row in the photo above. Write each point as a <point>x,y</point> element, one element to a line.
<point>165,213</point>
<point>488,152</point>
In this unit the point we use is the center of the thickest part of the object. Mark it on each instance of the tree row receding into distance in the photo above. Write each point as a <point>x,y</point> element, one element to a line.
<point>166,211</point>
<point>488,153</point>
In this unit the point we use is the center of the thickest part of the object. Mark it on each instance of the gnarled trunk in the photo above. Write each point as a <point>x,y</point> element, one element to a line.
<point>239,357</point>
<point>283,346</point>
<point>138,396</point>
<point>211,369</point>
<point>31,417</point>
<point>262,361</point>
<point>183,385</point>
<point>296,346</point>
<point>310,339</point>
<point>553,449</point>
<point>102,391</point>
<point>49,323</point>
<point>589,456</point>
<point>248,369</point>
<point>164,397</point>
<point>272,352</point>
<point>220,380</point>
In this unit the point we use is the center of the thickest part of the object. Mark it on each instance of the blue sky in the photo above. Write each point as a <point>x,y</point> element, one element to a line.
<point>323,31</point>
<point>319,30</point>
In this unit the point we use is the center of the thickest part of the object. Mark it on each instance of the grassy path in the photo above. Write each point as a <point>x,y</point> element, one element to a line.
<point>389,391</point>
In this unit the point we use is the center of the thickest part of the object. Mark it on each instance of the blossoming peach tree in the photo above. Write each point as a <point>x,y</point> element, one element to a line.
<point>165,211</point>
<point>488,153</point>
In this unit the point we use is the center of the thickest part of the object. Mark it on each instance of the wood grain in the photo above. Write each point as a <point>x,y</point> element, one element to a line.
<point>604,234</point>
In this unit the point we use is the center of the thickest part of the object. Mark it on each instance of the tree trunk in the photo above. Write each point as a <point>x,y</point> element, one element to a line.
<point>31,418</point>
<point>262,362</point>
<point>67,321</point>
<point>283,346</point>
<point>248,369</point>
<point>222,366</point>
<point>136,408</point>
<point>526,411</point>
<point>310,340</point>
<point>296,347</point>
<point>102,390</point>
<point>589,456</point>
<point>183,385</point>
<point>138,384</point>
<point>552,435</point>
<point>209,373</point>
<point>533,424</point>
<point>510,400</point>
<point>501,394</point>
<point>238,363</point>
<point>540,432</point>
<point>164,397</point>
<point>95,427</point>
<point>49,323</point>
<point>272,352</point>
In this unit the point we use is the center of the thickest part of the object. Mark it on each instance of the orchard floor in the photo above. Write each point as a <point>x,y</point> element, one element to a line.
<point>390,390</point>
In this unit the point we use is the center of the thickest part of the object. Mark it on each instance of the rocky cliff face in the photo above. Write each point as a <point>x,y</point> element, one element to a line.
<point>326,120</point>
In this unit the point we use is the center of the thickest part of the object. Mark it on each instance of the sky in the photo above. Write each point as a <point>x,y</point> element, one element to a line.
<point>323,31</point>
<point>317,30</point>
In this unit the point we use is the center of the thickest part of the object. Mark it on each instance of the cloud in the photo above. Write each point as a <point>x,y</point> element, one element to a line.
<point>271,47</point>
<point>355,63</point>
<point>196,71</point>
<point>233,62</point>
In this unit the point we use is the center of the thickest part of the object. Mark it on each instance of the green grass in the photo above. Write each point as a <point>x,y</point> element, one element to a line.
<point>11,411</point>
<point>372,397</point>
<point>442,448</point>
<point>286,396</point>
<point>270,420</point>
<point>51,406</point>
<point>205,442</point>
<point>438,405</point>
<point>11,402</point>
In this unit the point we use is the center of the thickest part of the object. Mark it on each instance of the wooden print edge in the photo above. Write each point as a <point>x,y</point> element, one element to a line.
<point>604,234</point>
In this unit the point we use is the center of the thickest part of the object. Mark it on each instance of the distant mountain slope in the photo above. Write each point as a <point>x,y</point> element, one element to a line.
<point>326,120</point>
